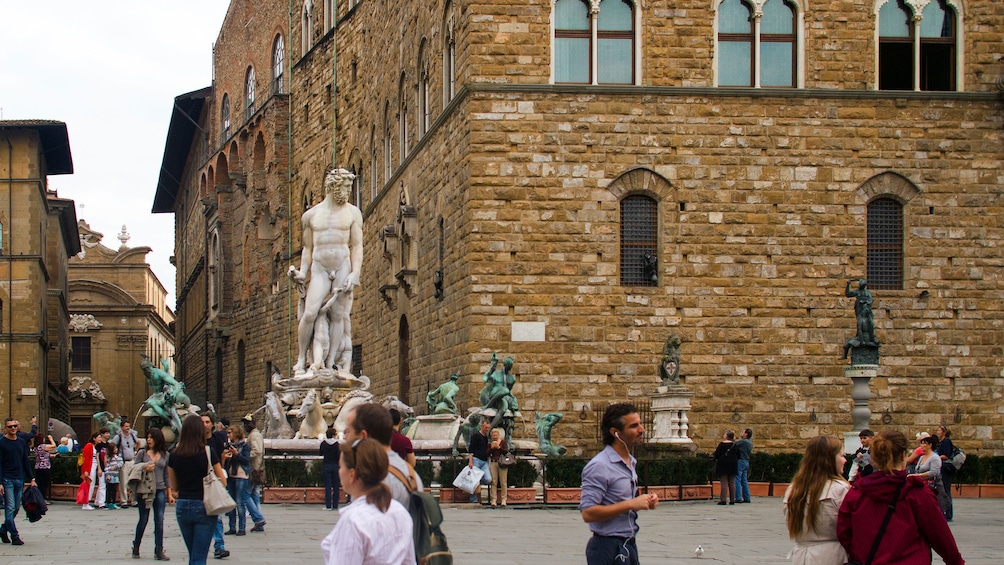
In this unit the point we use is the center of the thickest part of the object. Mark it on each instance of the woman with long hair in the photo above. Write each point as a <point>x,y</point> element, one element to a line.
<point>812,501</point>
<point>916,524</point>
<point>90,472</point>
<point>374,529</point>
<point>188,464</point>
<point>154,461</point>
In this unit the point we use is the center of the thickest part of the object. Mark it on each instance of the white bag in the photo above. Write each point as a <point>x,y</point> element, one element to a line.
<point>468,479</point>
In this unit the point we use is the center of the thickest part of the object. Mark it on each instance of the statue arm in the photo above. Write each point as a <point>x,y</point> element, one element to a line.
<point>306,255</point>
<point>355,248</point>
<point>848,292</point>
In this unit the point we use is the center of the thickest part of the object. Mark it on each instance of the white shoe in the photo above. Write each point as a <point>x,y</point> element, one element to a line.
<point>87,507</point>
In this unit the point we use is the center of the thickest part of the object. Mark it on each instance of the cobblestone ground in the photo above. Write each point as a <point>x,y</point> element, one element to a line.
<point>745,533</point>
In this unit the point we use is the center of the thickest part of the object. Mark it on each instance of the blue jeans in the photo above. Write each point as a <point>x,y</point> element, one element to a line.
<point>218,534</point>
<point>196,528</point>
<point>331,486</point>
<point>159,504</point>
<point>254,507</point>
<point>486,479</point>
<point>238,491</point>
<point>743,480</point>
<point>12,491</point>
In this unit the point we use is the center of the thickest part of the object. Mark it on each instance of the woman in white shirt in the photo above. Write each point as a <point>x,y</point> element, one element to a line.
<point>812,502</point>
<point>374,529</point>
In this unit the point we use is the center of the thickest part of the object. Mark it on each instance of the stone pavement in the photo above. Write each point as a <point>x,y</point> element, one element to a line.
<point>745,533</point>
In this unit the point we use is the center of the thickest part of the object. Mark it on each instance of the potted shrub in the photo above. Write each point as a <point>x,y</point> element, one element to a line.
<point>563,480</point>
<point>521,478</point>
<point>65,477</point>
<point>448,470</point>
<point>286,480</point>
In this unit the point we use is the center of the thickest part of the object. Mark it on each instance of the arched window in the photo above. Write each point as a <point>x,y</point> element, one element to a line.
<point>449,58</point>
<point>387,160</point>
<point>422,93</point>
<point>402,119</point>
<point>374,160</point>
<point>329,15</point>
<point>225,117</point>
<point>594,48</point>
<point>306,27</point>
<point>249,88</point>
<point>757,51</point>
<point>931,39</point>
<point>639,241</point>
<point>278,66</point>
<point>885,244</point>
<point>240,370</point>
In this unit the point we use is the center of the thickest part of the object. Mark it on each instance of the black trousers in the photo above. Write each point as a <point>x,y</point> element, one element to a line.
<point>607,550</point>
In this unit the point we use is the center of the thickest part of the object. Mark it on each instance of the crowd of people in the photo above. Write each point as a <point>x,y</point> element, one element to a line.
<point>893,507</point>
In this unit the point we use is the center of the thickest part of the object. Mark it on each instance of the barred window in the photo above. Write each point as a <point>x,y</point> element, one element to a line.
<point>885,244</point>
<point>639,253</point>
<point>81,358</point>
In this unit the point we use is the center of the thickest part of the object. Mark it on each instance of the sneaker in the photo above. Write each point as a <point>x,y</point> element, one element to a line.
<point>16,541</point>
<point>220,554</point>
<point>113,506</point>
<point>87,507</point>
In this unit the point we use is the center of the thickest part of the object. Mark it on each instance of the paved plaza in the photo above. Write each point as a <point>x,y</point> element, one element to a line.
<point>745,533</point>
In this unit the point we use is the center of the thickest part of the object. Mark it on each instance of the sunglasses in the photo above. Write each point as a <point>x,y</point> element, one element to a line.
<point>12,426</point>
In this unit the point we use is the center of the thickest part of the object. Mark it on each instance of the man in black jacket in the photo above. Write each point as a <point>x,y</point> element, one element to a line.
<point>15,467</point>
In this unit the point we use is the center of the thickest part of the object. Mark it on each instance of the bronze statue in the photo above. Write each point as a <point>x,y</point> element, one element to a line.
<point>497,393</point>
<point>441,400</point>
<point>865,317</point>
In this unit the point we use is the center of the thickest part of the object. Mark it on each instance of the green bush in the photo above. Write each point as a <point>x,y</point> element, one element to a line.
<point>564,472</point>
<point>449,469</point>
<point>425,470</point>
<point>522,474</point>
<point>64,469</point>
<point>292,473</point>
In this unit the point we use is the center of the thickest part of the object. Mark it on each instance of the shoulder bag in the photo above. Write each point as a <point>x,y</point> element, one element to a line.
<point>214,495</point>
<point>881,532</point>
<point>507,460</point>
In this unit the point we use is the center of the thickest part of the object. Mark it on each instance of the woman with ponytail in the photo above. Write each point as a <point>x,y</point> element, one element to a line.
<point>812,501</point>
<point>374,528</point>
<point>916,524</point>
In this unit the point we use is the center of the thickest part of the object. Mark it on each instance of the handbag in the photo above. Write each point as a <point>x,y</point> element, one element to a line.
<point>507,460</point>
<point>257,477</point>
<point>468,479</point>
<point>881,532</point>
<point>214,495</point>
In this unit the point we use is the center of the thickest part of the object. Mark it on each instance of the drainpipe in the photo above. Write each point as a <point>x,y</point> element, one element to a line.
<point>289,202</point>
<point>334,83</point>
<point>10,273</point>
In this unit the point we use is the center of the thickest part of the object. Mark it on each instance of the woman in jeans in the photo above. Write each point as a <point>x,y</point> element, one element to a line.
<point>329,450</point>
<point>188,465</point>
<point>154,460</point>
<point>44,447</point>
<point>726,459</point>
<point>239,470</point>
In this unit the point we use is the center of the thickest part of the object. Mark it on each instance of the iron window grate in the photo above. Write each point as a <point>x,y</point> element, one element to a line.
<point>885,244</point>
<point>639,220</point>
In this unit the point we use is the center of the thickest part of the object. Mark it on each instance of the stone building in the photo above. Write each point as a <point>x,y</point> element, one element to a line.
<point>569,182</point>
<point>118,312</point>
<point>37,235</point>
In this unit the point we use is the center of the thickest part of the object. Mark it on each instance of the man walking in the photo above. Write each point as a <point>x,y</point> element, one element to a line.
<point>744,447</point>
<point>478,455</point>
<point>373,421</point>
<point>14,468</point>
<point>252,496</point>
<point>127,442</point>
<point>609,483</point>
<point>216,446</point>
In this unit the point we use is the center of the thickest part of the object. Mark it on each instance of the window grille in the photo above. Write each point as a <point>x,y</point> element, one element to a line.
<point>639,253</point>
<point>885,244</point>
<point>81,358</point>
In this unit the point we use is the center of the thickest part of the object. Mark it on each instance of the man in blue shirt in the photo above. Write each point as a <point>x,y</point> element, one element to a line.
<point>609,485</point>
<point>14,468</point>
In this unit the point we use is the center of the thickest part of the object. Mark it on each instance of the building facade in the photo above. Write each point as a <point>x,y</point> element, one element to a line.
<point>118,313</point>
<point>37,235</point>
<point>571,182</point>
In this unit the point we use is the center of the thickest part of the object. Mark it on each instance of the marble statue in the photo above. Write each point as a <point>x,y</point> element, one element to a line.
<point>865,317</point>
<point>441,400</point>
<point>312,424</point>
<point>669,369</point>
<point>276,426</point>
<point>328,274</point>
<point>497,393</point>
<point>544,423</point>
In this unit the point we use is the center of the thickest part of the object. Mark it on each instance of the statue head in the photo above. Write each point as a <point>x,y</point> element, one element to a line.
<point>338,183</point>
<point>507,363</point>
<point>454,377</point>
<point>862,283</point>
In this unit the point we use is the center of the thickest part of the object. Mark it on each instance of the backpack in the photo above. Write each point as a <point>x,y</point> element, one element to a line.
<point>426,515</point>
<point>958,458</point>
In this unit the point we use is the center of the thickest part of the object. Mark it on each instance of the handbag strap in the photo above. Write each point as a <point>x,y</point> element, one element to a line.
<point>885,522</point>
<point>209,461</point>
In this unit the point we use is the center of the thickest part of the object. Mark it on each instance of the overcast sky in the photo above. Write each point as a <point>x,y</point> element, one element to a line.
<point>110,70</point>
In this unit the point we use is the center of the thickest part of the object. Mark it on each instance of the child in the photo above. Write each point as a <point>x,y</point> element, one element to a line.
<point>113,462</point>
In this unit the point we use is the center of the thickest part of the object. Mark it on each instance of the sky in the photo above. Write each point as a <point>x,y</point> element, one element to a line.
<point>110,71</point>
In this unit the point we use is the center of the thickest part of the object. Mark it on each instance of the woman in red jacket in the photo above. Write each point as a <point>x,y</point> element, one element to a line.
<point>917,524</point>
<point>90,473</point>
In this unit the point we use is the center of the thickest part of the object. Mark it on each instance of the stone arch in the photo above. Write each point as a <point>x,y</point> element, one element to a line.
<point>258,155</point>
<point>641,181</point>
<point>222,176</point>
<point>233,156</point>
<point>889,184</point>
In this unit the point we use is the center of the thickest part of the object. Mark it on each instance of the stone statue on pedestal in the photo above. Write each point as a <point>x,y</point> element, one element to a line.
<point>865,341</point>
<point>441,400</point>
<point>669,369</point>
